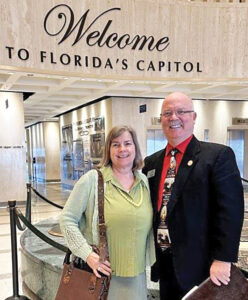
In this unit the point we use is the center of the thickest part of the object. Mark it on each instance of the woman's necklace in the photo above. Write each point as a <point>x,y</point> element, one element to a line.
<point>136,204</point>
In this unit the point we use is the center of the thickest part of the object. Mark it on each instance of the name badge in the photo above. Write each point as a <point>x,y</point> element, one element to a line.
<point>151,173</point>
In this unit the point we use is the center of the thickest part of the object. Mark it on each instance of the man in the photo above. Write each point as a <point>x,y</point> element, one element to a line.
<point>197,222</point>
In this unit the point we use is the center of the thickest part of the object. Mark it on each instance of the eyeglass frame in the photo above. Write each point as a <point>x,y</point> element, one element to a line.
<point>178,113</point>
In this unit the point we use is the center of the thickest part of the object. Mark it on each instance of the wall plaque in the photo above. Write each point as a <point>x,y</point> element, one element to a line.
<point>240,121</point>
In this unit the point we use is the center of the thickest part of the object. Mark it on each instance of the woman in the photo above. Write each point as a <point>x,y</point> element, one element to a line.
<point>127,212</point>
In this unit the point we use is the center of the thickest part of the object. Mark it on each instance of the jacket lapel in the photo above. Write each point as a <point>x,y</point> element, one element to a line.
<point>158,166</point>
<point>188,163</point>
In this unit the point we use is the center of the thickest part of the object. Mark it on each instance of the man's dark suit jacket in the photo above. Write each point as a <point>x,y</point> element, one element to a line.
<point>205,211</point>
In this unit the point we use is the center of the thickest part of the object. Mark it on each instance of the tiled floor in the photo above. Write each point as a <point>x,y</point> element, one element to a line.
<point>40,210</point>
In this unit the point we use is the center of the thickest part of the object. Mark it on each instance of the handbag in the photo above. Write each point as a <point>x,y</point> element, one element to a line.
<point>78,280</point>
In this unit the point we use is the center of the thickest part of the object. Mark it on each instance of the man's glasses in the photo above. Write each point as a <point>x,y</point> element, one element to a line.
<point>178,113</point>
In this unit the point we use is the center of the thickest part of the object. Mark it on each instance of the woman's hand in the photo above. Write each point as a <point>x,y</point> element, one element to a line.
<point>96,265</point>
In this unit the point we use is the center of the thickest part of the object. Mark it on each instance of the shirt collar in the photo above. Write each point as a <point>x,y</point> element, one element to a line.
<point>181,147</point>
<point>108,175</point>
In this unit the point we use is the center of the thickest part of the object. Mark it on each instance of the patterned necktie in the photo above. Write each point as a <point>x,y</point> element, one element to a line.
<point>163,238</point>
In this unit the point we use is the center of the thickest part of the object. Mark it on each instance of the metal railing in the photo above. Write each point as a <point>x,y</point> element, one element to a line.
<point>45,199</point>
<point>245,180</point>
<point>16,220</point>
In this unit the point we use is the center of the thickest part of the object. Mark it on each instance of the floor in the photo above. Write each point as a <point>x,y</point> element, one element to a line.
<point>40,210</point>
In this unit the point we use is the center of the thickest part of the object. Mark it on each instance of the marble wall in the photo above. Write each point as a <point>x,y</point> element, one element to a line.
<point>187,39</point>
<point>52,149</point>
<point>44,151</point>
<point>38,152</point>
<point>12,148</point>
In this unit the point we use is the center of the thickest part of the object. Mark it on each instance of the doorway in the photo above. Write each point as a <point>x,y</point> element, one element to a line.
<point>237,139</point>
<point>155,141</point>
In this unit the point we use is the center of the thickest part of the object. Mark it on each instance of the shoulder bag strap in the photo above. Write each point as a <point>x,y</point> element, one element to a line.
<point>103,246</point>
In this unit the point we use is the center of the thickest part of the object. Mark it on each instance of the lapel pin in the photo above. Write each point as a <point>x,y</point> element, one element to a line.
<point>151,173</point>
<point>190,163</point>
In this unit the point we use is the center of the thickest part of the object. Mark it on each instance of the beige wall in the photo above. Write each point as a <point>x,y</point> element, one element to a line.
<point>126,112</point>
<point>100,109</point>
<point>38,146</point>
<point>216,116</point>
<point>52,150</point>
<point>45,148</point>
<point>12,148</point>
<point>213,35</point>
<point>246,156</point>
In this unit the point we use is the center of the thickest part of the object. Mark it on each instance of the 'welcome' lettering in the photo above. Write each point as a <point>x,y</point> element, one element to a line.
<point>101,37</point>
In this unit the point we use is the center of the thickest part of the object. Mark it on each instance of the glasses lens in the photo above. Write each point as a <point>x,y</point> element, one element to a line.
<point>180,112</point>
<point>167,113</point>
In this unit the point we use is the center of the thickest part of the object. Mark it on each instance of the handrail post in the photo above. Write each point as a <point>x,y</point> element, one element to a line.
<point>28,203</point>
<point>12,204</point>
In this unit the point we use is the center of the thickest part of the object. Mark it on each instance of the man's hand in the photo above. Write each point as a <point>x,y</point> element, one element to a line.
<point>220,272</point>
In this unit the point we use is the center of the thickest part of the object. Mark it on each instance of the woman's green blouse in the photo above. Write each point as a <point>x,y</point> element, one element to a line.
<point>128,225</point>
<point>128,218</point>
